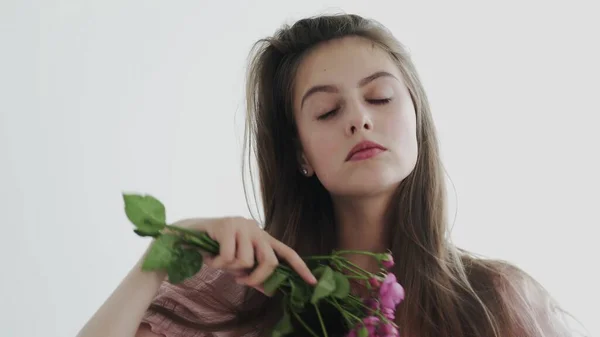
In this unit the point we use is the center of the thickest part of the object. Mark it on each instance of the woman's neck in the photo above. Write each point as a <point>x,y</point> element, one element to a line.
<point>361,226</point>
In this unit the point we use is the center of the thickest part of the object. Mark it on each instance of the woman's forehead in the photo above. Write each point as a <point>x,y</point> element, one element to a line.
<point>343,62</point>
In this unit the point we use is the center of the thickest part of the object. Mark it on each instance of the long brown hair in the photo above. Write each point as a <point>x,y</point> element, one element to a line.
<point>450,293</point>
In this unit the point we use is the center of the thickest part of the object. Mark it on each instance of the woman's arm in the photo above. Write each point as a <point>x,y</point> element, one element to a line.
<point>122,312</point>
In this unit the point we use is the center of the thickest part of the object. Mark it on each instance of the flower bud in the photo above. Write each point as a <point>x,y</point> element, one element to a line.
<point>374,282</point>
<point>387,261</point>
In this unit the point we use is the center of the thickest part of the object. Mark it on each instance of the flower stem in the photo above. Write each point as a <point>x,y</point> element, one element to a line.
<point>354,268</point>
<point>321,321</point>
<point>361,304</point>
<point>345,313</point>
<point>182,230</point>
<point>339,252</point>
<point>369,310</point>
<point>314,334</point>
<point>320,257</point>
<point>359,268</point>
<point>358,277</point>
<point>207,244</point>
<point>200,239</point>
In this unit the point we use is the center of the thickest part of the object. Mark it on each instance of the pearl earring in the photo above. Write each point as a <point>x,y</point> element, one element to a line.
<point>304,171</point>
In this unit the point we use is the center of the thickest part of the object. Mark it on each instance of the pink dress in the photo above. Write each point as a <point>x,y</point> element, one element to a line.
<point>185,299</point>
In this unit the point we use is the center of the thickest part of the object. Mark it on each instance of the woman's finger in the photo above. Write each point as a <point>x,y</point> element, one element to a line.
<point>226,237</point>
<point>244,258</point>
<point>293,259</point>
<point>261,289</point>
<point>267,262</point>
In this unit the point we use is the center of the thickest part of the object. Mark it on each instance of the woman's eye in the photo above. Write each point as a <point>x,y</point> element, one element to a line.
<point>379,101</point>
<point>332,113</point>
<point>328,114</point>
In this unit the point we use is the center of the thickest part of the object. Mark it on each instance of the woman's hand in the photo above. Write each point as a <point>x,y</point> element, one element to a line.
<point>243,244</point>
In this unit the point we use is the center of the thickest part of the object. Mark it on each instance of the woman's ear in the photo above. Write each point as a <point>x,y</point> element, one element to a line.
<point>304,165</point>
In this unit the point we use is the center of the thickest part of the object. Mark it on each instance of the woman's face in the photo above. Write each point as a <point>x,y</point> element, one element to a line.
<point>348,92</point>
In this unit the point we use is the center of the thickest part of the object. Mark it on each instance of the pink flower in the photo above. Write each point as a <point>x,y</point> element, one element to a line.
<point>370,325</point>
<point>389,313</point>
<point>391,292</point>
<point>374,282</point>
<point>371,320</point>
<point>388,330</point>
<point>387,261</point>
<point>367,328</point>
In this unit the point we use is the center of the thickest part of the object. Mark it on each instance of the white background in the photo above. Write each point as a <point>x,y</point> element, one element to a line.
<point>100,97</point>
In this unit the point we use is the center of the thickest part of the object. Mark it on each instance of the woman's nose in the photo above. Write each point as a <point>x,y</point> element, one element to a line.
<point>360,119</point>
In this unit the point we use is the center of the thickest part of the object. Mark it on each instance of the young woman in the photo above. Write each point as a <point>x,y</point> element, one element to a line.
<point>348,159</point>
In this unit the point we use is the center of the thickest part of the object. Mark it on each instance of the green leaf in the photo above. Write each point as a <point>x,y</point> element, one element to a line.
<point>145,233</point>
<point>284,326</point>
<point>274,281</point>
<point>299,295</point>
<point>186,264</point>
<point>325,286</point>
<point>342,285</point>
<point>145,212</point>
<point>318,272</point>
<point>161,253</point>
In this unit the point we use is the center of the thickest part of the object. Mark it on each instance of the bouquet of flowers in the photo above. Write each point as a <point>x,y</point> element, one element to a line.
<point>178,251</point>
